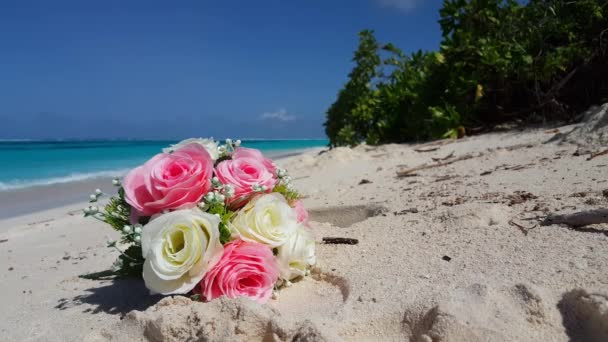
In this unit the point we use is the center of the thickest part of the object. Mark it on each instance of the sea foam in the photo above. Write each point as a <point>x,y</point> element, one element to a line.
<point>74,177</point>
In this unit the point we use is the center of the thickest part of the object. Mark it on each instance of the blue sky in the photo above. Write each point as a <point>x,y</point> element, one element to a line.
<point>172,69</point>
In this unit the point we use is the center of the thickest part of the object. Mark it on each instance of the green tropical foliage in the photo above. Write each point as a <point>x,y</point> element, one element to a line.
<point>349,116</point>
<point>499,60</point>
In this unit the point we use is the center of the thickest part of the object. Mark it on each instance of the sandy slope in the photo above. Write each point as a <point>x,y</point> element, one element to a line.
<point>437,259</point>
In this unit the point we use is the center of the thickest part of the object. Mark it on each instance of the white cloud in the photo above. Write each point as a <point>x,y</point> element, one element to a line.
<point>404,5</point>
<point>280,115</point>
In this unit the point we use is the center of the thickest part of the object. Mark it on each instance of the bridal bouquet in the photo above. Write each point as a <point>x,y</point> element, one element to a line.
<point>213,220</point>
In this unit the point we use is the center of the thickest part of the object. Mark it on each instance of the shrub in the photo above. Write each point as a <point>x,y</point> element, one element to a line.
<point>498,60</point>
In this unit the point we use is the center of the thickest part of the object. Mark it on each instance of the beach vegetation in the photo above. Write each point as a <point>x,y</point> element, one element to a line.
<point>498,61</point>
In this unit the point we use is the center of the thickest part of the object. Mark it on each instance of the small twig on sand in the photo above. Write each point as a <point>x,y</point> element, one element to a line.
<point>597,154</point>
<point>519,167</point>
<point>444,158</point>
<point>436,143</point>
<point>507,168</point>
<point>340,241</point>
<point>578,219</point>
<point>408,172</point>
<point>523,229</point>
<point>428,149</point>
<point>445,178</point>
<point>3,240</point>
<point>518,146</point>
<point>531,218</point>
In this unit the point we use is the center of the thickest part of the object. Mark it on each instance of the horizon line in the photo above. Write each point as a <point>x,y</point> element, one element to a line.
<point>150,140</point>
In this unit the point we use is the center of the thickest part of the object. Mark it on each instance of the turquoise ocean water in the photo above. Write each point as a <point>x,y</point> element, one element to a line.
<point>30,163</point>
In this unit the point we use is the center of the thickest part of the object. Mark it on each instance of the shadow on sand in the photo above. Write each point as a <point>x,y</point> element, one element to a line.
<point>584,316</point>
<point>114,297</point>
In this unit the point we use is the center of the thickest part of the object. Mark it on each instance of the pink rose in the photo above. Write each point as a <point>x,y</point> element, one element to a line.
<point>298,206</point>
<point>246,269</point>
<point>244,152</point>
<point>169,181</point>
<point>243,173</point>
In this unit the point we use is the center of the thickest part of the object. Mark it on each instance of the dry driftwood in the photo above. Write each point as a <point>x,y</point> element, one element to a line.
<point>427,149</point>
<point>340,241</point>
<point>444,158</point>
<point>408,172</point>
<point>578,219</point>
<point>597,154</point>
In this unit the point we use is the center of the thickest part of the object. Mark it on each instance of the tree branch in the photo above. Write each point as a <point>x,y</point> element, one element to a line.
<point>578,219</point>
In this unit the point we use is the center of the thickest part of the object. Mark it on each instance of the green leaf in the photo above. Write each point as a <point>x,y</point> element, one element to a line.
<point>225,215</point>
<point>451,134</point>
<point>289,194</point>
<point>225,233</point>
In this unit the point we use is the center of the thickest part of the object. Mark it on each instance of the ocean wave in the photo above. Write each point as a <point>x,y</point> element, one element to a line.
<point>16,140</point>
<point>74,177</point>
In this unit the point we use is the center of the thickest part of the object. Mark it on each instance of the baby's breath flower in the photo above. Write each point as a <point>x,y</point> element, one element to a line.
<point>126,229</point>
<point>213,197</point>
<point>216,182</point>
<point>228,190</point>
<point>259,188</point>
<point>209,196</point>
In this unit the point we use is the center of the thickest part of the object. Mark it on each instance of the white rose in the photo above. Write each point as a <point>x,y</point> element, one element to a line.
<point>267,219</point>
<point>297,254</point>
<point>209,144</point>
<point>179,248</point>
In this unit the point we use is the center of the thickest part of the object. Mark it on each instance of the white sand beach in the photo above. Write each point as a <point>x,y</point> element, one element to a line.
<point>446,253</point>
